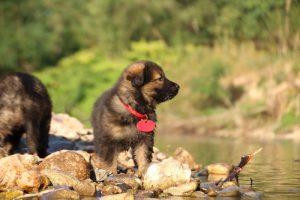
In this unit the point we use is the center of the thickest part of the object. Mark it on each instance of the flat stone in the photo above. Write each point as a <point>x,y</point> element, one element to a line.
<point>219,168</point>
<point>60,178</point>
<point>182,190</point>
<point>61,194</point>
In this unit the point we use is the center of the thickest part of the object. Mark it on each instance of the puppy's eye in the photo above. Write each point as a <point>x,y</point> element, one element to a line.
<point>161,79</point>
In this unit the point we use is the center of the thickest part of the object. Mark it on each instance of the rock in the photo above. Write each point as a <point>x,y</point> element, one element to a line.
<point>231,191</point>
<point>85,155</point>
<point>111,189</point>
<point>100,174</point>
<point>85,146</point>
<point>185,157</point>
<point>219,168</point>
<point>125,159</point>
<point>62,193</point>
<point>166,174</point>
<point>32,181</point>
<point>155,150</point>
<point>182,190</point>
<point>216,177</point>
<point>202,172</point>
<point>59,143</point>
<point>57,177</point>
<point>198,195</point>
<point>253,194</point>
<point>143,194</point>
<point>250,193</point>
<point>69,162</point>
<point>228,184</point>
<point>161,156</point>
<point>62,125</point>
<point>11,167</point>
<point>205,186</point>
<point>132,181</point>
<point>211,192</point>
<point>12,194</point>
<point>123,196</point>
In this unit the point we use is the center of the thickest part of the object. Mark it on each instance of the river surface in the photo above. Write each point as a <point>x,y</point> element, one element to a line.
<point>275,171</point>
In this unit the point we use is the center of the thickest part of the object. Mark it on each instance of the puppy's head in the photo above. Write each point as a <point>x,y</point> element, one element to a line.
<point>149,80</point>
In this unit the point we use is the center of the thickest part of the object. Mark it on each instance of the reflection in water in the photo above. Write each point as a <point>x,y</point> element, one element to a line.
<point>275,170</point>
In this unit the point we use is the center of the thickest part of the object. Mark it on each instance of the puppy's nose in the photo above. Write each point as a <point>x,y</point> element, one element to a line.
<point>176,87</point>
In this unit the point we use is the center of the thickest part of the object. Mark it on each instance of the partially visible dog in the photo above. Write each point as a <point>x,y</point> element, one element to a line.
<point>133,100</point>
<point>25,106</point>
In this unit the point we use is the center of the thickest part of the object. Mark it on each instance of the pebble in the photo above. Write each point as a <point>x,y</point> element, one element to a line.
<point>182,190</point>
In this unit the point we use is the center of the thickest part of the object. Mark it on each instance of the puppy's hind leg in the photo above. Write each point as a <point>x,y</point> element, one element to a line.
<point>43,136</point>
<point>12,140</point>
<point>32,136</point>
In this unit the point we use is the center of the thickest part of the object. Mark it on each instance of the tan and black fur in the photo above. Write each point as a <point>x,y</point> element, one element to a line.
<point>142,85</point>
<point>25,107</point>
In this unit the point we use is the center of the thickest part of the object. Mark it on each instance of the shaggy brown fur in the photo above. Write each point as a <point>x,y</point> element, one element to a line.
<point>142,85</point>
<point>25,106</point>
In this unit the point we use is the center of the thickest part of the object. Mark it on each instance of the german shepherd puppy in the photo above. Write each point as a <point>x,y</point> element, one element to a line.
<point>133,100</point>
<point>25,106</point>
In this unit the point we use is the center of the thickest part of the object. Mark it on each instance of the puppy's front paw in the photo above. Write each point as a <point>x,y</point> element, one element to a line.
<point>142,170</point>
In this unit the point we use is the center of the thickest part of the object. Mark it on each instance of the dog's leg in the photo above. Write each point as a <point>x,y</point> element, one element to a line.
<point>11,141</point>
<point>32,136</point>
<point>107,157</point>
<point>44,136</point>
<point>143,155</point>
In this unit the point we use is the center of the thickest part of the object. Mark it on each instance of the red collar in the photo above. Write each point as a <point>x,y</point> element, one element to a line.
<point>132,111</point>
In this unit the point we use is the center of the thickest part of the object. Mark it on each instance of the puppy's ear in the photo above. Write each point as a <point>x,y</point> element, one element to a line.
<point>137,80</point>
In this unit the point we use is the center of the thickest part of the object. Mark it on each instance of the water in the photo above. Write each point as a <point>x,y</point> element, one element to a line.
<point>275,170</point>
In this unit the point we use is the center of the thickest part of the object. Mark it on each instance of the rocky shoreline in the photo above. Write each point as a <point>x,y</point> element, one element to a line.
<point>69,173</point>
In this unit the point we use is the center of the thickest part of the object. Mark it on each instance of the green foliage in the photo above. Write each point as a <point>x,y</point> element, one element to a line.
<point>37,33</point>
<point>78,80</point>
<point>287,121</point>
<point>211,92</point>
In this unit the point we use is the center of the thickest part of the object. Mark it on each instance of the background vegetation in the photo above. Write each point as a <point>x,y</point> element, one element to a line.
<point>232,56</point>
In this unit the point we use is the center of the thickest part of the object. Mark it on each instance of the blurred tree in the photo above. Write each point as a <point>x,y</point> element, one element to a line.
<point>37,33</point>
